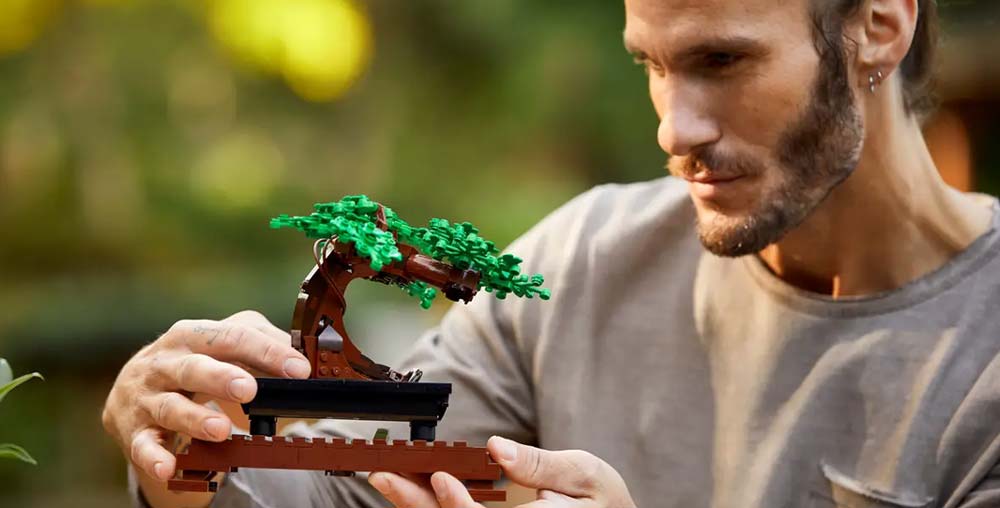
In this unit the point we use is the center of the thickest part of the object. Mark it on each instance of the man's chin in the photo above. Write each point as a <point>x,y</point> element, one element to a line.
<point>731,235</point>
<point>714,215</point>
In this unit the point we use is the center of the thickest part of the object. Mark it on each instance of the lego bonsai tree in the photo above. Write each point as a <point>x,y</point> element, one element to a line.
<point>8,383</point>
<point>374,231</point>
<point>357,238</point>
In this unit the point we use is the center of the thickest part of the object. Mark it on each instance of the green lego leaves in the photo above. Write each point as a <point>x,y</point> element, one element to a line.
<point>353,220</point>
<point>422,291</point>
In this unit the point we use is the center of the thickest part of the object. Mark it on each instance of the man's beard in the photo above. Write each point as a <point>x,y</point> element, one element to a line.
<point>817,153</point>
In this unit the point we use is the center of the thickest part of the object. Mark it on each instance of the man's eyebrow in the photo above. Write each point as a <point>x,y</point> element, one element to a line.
<point>725,44</point>
<point>734,44</point>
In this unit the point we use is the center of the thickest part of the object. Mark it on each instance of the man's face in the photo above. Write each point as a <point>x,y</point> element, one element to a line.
<point>760,125</point>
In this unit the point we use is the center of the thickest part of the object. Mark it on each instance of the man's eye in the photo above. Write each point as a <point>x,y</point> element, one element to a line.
<point>721,60</point>
<point>648,65</point>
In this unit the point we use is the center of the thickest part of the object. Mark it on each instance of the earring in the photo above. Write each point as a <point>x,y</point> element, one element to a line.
<point>874,80</point>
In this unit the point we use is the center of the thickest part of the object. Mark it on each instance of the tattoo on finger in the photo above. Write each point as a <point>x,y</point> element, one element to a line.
<point>208,330</point>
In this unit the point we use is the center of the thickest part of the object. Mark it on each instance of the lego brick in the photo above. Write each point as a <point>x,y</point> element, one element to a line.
<point>350,399</point>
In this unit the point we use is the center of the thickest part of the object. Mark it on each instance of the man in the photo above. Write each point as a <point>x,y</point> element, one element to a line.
<point>836,346</point>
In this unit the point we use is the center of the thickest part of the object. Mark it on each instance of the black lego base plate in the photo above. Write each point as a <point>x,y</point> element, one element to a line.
<point>349,399</point>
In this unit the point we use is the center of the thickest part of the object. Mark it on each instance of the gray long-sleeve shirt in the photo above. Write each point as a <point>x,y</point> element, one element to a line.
<point>708,382</point>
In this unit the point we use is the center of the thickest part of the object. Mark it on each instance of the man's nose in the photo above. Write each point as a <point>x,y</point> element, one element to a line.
<point>684,128</point>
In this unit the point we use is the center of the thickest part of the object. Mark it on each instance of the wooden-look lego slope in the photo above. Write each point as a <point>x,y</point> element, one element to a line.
<point>473,465</point>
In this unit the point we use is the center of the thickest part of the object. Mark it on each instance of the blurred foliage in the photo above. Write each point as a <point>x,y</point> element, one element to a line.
<point>144,144</point>
<point>22,21</point>
<point>139,165</point>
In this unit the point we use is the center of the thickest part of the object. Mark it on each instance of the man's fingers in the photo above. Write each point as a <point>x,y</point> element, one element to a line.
<point>198,373</point>
<point>260,322</point>
<point>552,499</point>
<point>403,492</point>
<point>451,493</point>
<point>150,456</point>
<point>237,342</point>
<point>173,411</point>
<point>572,472</point>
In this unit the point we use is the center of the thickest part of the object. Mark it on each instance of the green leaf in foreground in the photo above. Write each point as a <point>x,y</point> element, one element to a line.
<point>10,385</point>
<point>12,451</point>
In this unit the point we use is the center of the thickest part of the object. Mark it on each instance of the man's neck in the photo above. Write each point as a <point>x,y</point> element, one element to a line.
<point>891,222</point>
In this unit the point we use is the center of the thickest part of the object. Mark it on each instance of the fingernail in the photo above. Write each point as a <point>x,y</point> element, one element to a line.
<point>440,487</point>
<point>295,367</point>
<point>240,388</point>
<point>380,481</point>
<point>506,449</point>
<point>158,471</point>
<point>215,427</point>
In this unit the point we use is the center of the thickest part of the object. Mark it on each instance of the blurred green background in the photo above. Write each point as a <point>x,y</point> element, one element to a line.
<point>144,145</point>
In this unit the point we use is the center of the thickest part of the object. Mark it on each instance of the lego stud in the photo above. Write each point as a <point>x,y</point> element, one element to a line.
<point>324,371</point>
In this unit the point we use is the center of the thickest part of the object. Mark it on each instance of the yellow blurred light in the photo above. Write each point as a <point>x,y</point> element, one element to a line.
<point>249,31</point>
<point>22,21</point>
<point>327,48</point>
<point>320,47</point>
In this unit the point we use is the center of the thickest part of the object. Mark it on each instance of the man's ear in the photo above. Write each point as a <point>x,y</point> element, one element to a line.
<point>887,33</point>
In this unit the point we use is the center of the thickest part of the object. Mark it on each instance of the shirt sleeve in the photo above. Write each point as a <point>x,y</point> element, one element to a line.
<point>484,349</point>
<point>986,494</point>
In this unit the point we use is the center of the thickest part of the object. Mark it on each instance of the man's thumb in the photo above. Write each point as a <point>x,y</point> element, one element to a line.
<point>569,472</point>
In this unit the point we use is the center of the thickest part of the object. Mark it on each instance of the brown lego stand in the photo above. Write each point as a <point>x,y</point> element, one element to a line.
<point>338,457</point>
<point>345,384</point>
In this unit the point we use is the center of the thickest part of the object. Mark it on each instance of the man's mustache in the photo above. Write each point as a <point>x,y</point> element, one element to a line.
<point>714,164</point>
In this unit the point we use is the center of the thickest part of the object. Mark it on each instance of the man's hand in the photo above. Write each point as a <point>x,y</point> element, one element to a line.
<point>564,479</point>
<point>151,399</point>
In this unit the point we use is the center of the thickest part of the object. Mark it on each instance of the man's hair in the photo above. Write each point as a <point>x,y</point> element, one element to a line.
<point>829,18</point>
